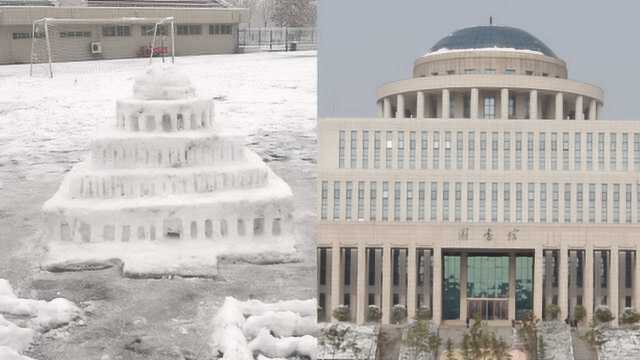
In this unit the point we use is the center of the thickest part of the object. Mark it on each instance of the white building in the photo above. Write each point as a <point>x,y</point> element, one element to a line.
<point>488,184</point>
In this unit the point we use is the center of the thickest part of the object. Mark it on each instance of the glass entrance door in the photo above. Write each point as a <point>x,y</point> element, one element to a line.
<point>489,309</point>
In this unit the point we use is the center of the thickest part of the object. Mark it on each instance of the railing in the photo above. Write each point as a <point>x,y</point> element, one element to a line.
<point>277,39</point>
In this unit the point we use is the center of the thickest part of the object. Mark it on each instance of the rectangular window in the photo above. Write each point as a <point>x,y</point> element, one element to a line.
<point>616,203</point>
<point>354,149</point>
<point>494,202</point>
<point>519,202</point>
<point>567,203</point>
<point>554,151</point>
<point>555,203</point>
<point>75,34</point>
<point>512,107</point>
<point>604,208</point>
<point>458,202</point>
<point>324,200</point>
<point>600,151</point>
<point>220,29</point>
<point>494,150</point>
<point>518,151</point>
<point>531,202</point>
<point>625,151</point>
<point>565,151</point>
<point>188,29</point>
<point>636,151</point>
<point>472,150</point>
<point>580,203</point>
<point>447,150</point>
<point>336,200</point>
<point>360,200</point>
<point>530,150</point>
<point>365,149</point>
<point>434,201</point>
<point>542,154</point>
<point>613,148</point>
<point>385,201</point>
<point>507,151</point>
<point>397,193</point>
<point>577,152</point>
<point>543,202</point>
<point>506,212</point>
<point>23,36</point>
<point>436,149</point>
<point>341,150</point>
<point>424,143</point>
<point>483,150</point>
<point>589,151</point>
<point>470,202</point>
<point>459,149</point>
<point>373,201</point>
<point>490,107</point>
<point>400,155</point>
<point>445,201</point>
<point>376,149</point>
<point>592,203</point>
<point>421,200</point>
<point>116,30</point>
<point>483,202</point>
<point>628,196</point>
<point>349,205</point>
<point>412,150</point>
<point>389,150</point>
<point>148,30</point>
<point>409,204</point>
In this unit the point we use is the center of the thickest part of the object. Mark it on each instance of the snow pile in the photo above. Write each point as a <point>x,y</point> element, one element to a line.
<point>621,343</point>
<point>27,318</point>
<point>353,342</point>
<point>255,330</point>
<point>163,82</point>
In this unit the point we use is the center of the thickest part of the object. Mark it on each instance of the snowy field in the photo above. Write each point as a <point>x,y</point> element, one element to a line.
<point>45,128</point>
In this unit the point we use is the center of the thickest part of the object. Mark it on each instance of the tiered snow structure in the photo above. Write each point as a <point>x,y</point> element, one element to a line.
<point>22,319</point>
<point>165,173</point>
<point>255,330</point>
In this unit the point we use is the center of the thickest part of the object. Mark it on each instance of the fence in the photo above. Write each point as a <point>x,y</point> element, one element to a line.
<point>277,39</point>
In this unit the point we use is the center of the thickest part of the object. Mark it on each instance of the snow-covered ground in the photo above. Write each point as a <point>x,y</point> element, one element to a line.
<point>45,128</point>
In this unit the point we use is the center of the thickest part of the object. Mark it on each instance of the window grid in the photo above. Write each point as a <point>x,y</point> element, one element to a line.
<point>360,200</point>
<point>389,150</point>
<point>365,149</point>
<point>349,201</point>
<point>409,203</point>
<point>354,149</point>
<point>376,149</point>
<point>373,201</point>
<point>341,150</point>
<point>400,154</point>
<point>507,202</point>
<point>412,150</point>
<point>336,200</point>
<point>470,202</point>
<point>397,193</point>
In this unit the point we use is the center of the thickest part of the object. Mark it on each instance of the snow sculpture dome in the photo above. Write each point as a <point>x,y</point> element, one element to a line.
<point>164,172</point>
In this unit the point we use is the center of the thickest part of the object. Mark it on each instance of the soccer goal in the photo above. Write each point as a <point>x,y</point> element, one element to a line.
<point>58,40</point>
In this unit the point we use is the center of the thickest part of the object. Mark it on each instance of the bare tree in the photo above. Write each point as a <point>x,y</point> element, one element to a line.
<point>251,5</point>
<point>294,13</point>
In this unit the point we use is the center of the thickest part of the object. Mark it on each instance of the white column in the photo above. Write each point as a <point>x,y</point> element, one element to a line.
<point>400,106</point>
<point>386,107</point>
<point>420,105</point>
<point>579,108</point>
<point>386,284</point>
<point>361,299</point>
<point>588,282</point>
<point>437,286</point>
<point>512,286</point>
<point>533,104</point>
<point>636,279</point>
<point>380,104</point>
<point>504,104</point>
<point>614,281</point>
<point>593,108</point>
<point>463,286</point>
<point>474,103</point>
<point>537,283</point>
<point>559,106</point>
<point>411,282</point>
<point>335,279</point>
<point>445,103</point>
<point>563,286</point>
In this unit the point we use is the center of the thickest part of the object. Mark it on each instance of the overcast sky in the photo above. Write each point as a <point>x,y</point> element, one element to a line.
<point>366,43</point>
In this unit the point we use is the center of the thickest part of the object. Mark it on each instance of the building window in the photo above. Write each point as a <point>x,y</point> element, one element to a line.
<point>434,201</point>
<point>489,107</point>
<point>471,150</point>
<point>604,208</point>
<point>373,201</point>
<point>628,196</point>
<point>396,201</point>
<point>554,151</point>
<point>555,203</point>
<point>423,149</point>
<point>361,200</point>
<point>613,147</point>
<point>636,151</point>
<point>483,150</point>
<point>616,203</point>
<point>470,203</point>
<point>25,35</point>
<point>580,203</point>
<point>519,202</point>
<point>592,203</point>
<point>489,71</point>
<point>507,151</point>
<point>494,202</point>
<point>347,271</point>
<point>459,149</point>
<point>341,149</point>
<point>483,202</point>
<point>625,151</point>
<point>512,107</point>
<point>542,151</point>
<point>409,204</point>
<point>567,203</point>
<point>365,149</point>
<point>389,150</point>
<point>75,34</point>
<point>188,29</point>
<point>385,201</point>
<point>371,265</point>
<point>531,202</point>
<point>349,198</point>
<point>436,149</point>
<point>470,71</point>
<point>543,202</point>
<point>589,151</point>
<point>116,30</point>
<point>577,152</point>
<point>412,150</point>
<point>466,106</point>
<point>445,201</point>
<point>506,211</point>
<point>336,200</point>
<point>447,150</point>
<point>530,151</point>
<point>600,151</point>
<point>324,200</point>
<point>376,149</point>
<point>518,151</point>
<point>458,202</point>
<point>494,150</point>
<point>220,29</point>
<point>148,30</point>
<point>400,156</point>
<point>565,151</point>
<point>421,200</point>
<point>354,149</point>
<point>509,71</point>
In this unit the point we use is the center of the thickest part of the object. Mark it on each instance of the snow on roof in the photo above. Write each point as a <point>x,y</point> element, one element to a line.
<point>449,51</point>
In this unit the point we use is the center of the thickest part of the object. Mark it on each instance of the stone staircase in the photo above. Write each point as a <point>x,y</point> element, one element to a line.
<point>622,343</point>
<point>581,350</point>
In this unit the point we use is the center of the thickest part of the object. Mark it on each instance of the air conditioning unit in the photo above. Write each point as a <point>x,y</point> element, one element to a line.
<point>96,48</point>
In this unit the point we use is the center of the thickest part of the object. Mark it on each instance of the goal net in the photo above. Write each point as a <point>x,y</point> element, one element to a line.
<point>55,41</point>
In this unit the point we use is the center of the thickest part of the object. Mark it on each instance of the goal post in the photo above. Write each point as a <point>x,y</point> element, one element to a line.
<point>65,39</point>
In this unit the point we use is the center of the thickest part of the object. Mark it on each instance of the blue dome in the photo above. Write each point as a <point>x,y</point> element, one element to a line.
<point>481,37</point>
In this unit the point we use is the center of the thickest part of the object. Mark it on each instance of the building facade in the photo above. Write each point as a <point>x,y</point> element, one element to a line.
<point>488,184</point>
<point>198,31</point>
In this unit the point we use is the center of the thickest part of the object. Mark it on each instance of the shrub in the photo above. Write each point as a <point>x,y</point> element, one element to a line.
<point>603,315</point>
<point>373,313</point>
<point>552,311</point>
<point>342,313</point>
<point>398,314</point>
<point>579,313</point>
<point>423,313</point>
<point>629,316</point>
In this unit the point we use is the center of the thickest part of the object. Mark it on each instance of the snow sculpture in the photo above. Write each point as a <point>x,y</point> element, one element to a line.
<point>166,173</point>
